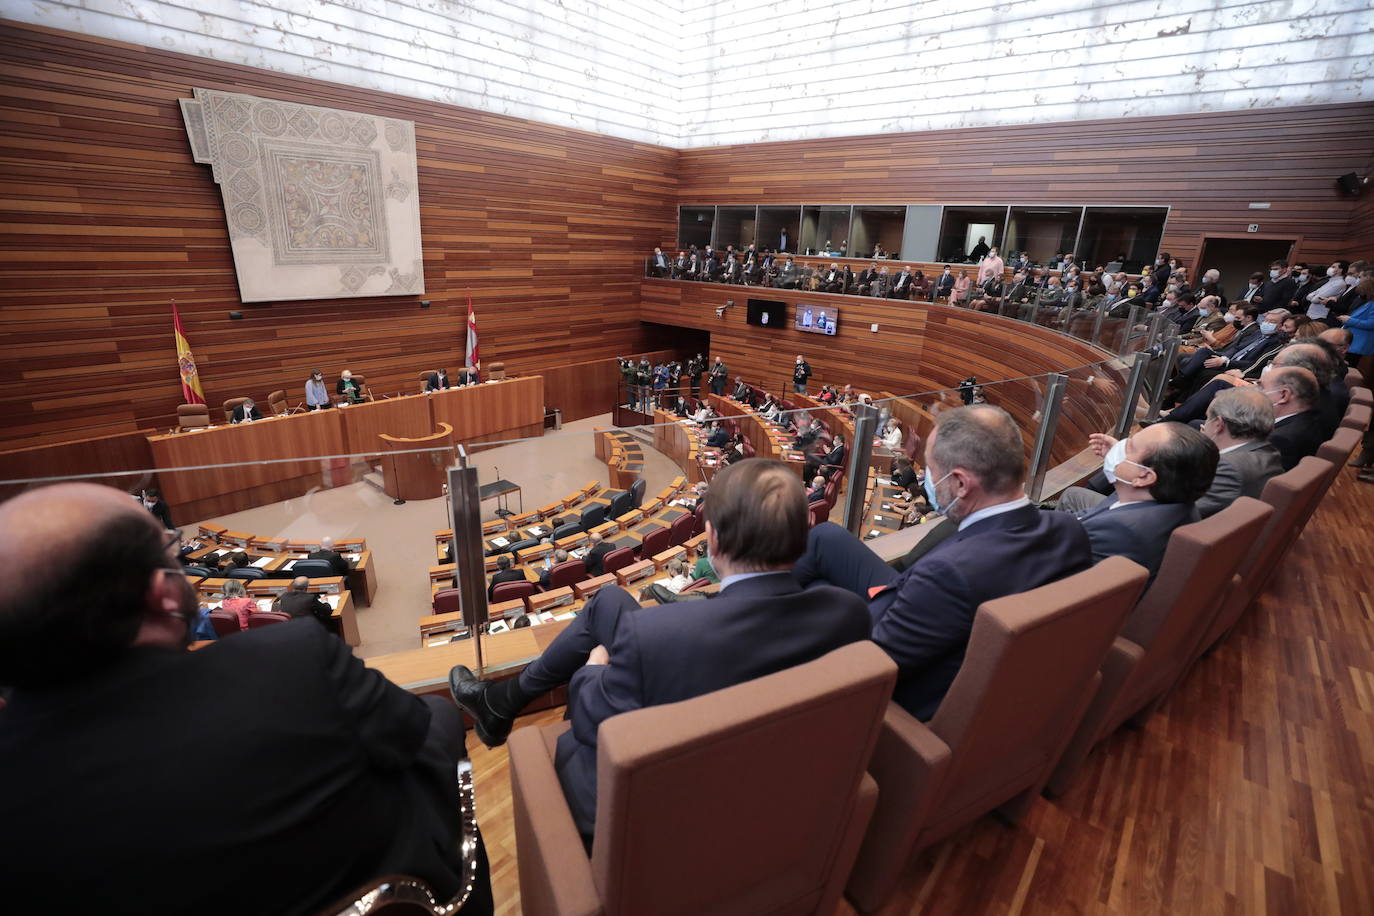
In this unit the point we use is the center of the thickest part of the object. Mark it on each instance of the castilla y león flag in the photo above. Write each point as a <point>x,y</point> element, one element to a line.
<point>186,363</point>
<point>472,357</point>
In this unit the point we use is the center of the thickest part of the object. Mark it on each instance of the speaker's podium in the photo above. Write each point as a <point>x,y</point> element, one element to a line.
<point>408,473</point>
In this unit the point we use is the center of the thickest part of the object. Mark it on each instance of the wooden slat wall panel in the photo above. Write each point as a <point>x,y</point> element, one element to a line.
<point>1208,167</point>
<point>105,218</point>
<point>918,348</point>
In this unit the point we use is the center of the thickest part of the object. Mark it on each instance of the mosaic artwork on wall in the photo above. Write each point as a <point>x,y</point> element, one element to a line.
<point>321,203</point>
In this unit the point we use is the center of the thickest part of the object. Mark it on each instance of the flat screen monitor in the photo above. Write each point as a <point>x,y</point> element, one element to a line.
<point>817,319</point>
<point>767,313</point>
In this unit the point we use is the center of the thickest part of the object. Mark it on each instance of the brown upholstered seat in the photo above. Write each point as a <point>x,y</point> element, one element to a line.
<point>1163,634</point>
<point>496,371</point>
<point>1290,494</point>
<point>1362,396</point>
<point>1029,673</point>
<point>277,401</point>
<point>1338,450</point>
<point>1356,417</point>
<point>266,619</point>
<point>192,416</point>
<point>224,622</point>
<point>570,572</point>
<point>617,559</point>
<point>748,800</point>
<point>509,591</point>
<point>229,407</point>
<point>446,601</point>
<point>424,378</point>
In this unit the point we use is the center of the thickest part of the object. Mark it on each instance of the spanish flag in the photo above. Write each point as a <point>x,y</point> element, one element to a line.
<point>186,363</point>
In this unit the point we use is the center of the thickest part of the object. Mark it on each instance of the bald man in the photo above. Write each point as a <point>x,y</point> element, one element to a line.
<point>299,601</point>
<point>113,735</point>
<point>331,556</point>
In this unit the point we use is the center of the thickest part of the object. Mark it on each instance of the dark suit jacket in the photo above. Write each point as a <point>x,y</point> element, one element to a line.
<point>503,575</point>
<point>434,383</point>
<point>753,628</point>
<point>305,604</point>
<point>334,558</point>
<point>1277,294</point>
<point>350,389</point>
<point>595,556</point>
<point>1298,436</point>
<point>924,618</point>
<point>719,437</point>
<point>815,495</point>
<point>1242,472</point>
<point>240,413</point>
<point>1335,398</point>
<point>1137,531</point>
<point>326,756</point>
<point>164,514</point>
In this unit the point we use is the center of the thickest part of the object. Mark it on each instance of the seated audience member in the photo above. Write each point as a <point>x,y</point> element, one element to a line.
<point>1255,338</point>
<point>468,375</point>
<point>347,389</point>
<point>316,394</point>
<point>558,556</point>
<point>834,457</point>
<point>892,438</point>
<point>597,548</point>
<point>959,293</point>
<point>664,591</point>
<point>331,556</point>
<point>1240,422</point>
<point>300,601</point>
<point>236,601</point>
<point>1298,429</point>
<point>154,503</point>
<point>246,412</point>
<point>943,285</point>
<point>742,391</point>
<point>123,725</point>
<point>504,573</point>
<point>733,450</point>
<point>922,617</point>
<point>702,568</point>
<point>659,265</point>
<point>234,559</point>
<point>702,413</point>
<point>437,381</point>
<point>698,497</point>
<point>719,438</point>
<point>1318,358</point>
<point>616,656</point>
<point>816,492</point>
<point>1158,476</point>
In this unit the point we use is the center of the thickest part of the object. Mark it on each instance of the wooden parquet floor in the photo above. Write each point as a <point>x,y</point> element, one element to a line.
<point>1250,791</point>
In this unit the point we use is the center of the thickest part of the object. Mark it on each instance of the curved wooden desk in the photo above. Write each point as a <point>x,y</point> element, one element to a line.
<point>410,474</point>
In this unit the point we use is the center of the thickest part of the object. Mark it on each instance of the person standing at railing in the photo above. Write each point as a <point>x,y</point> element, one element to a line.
<point>801,372</point>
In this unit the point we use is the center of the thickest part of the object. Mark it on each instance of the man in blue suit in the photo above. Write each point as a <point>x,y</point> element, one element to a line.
<point>1158,475</point>
<point>922,617</point>
<point>616,656</point>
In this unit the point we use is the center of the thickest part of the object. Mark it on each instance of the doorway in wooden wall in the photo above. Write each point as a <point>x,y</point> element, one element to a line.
<point>1237,257</point>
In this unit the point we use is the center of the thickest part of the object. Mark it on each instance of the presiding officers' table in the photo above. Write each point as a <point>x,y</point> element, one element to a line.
<point>299,444</point>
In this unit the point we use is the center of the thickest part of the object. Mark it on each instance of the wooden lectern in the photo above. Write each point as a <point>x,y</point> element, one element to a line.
<point>419,475</point>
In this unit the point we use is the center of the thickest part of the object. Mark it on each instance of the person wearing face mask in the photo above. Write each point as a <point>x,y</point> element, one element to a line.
<point>154,503</point>
<point>1351,297</point>
<point>1209,322</point>
<point>1298,430</point>
<point>1253,342</point>
<point>1316,297</point>
<point>1277,290</point>
<point>347,388</point>
<point>108,705</point>
<point>990,266</point>
<point>1157,476</point>
<point>943,285</point>
<point>999,544</point>
<point>316,395</point>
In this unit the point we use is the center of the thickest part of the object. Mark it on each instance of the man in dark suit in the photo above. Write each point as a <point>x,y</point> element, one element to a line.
<point>835,456</point>
<point>154,503</point>
<point>1298,430</point>
<point>503,573</point>
<point>789,275</point>
<point>596,554</point>
<point>742,391</point>
<point>922,617</point>
<point>616,656</point>
<point>1256,337</point>
<point>801,372</point>
<point>816,492</point>
<point>1158,475</point>
<point>245,412</point>
<point>331,556</point>
<point>329,755</point>
<point>867,277</point>
<point>719,437</point>
<point>943,284</point>
<point>718,375</point>
<point>901,288</point>
<point>1277,291</point>
<point>437,381</point>
<point>299,601</point>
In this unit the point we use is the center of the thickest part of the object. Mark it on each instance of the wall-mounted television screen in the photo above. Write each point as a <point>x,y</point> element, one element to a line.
<point>817,319</point>
<point>767,313</point>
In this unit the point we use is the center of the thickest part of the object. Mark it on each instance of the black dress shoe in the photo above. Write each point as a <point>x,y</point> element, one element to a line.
<point>471,696</point>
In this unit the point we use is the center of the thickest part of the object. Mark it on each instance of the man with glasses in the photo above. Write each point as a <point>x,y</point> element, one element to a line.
<point>114,734</point>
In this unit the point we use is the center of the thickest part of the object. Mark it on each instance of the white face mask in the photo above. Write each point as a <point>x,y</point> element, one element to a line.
<point>1351,281</point>
<point>1229,317</point>
<point>1115,457</point>
<point>1268,327</point>
<point>1331,271</point>
<point>1274,274</point>
<point>1204,312</point>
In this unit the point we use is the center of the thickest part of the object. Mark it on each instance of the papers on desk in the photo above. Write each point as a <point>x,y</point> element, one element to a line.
<point>500,542</point>
<point>568,616</point>
<point>578,554</point>
<point>353,557</point>
<point>261,562</point>
<point>288,566</point>
<point>332,601</point>
<point>874,533</point>
<point>883,481</point>
<point>538,531</point>
<point>264,604</point>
